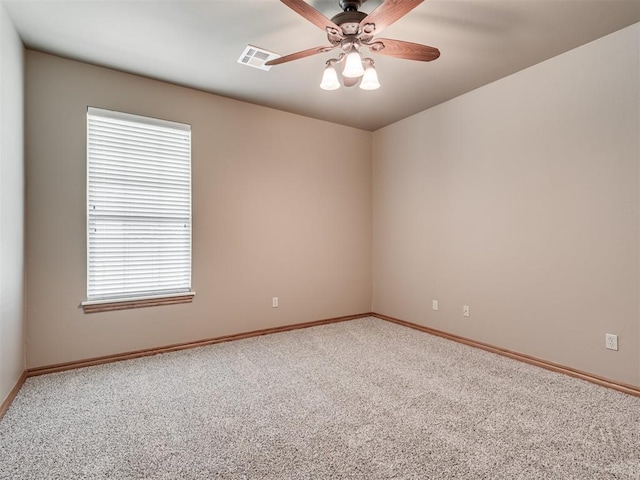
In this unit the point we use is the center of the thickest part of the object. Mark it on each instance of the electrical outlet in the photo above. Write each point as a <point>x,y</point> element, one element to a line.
<point>274,302</point>
<point>435,304</point>
<point>611,341</point>
<point>465,310</point>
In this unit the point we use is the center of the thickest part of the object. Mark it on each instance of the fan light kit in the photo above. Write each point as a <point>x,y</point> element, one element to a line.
<point>352,30</point>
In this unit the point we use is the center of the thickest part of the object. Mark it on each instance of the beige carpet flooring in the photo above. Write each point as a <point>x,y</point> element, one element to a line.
<point>363,399</point>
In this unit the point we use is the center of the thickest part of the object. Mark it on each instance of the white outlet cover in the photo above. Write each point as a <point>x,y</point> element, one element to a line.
<point>465,310</point>
<point>435,305</point>
<point>274,302</point>
<point>611,341</point>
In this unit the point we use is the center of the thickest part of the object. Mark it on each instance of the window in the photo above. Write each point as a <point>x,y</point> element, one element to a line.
<point>138,211</point>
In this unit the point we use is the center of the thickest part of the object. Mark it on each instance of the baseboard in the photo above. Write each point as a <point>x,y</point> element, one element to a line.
<point>61,367</point>
<point>12,394</point>
<point>605,382</point>
<point>538,362</point>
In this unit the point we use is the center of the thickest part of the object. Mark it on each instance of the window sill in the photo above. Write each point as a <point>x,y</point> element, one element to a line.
<point>96,306</point>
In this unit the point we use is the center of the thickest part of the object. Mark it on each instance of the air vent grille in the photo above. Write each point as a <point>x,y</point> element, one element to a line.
<point>256,57</point>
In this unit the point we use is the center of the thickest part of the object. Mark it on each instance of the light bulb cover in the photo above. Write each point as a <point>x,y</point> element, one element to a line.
<point>353,65</point>
<point>370,78</point>
<point>330,79</point>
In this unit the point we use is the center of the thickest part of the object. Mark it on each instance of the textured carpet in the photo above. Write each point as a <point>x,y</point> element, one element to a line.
<point>360,399</point>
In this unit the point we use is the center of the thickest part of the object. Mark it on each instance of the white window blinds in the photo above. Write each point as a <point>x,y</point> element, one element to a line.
<point>138,206</point>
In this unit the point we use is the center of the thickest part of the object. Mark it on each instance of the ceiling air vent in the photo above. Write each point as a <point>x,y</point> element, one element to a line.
<point>257,57</point>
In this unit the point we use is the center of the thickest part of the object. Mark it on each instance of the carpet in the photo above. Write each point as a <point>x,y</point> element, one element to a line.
<point>363,399</point>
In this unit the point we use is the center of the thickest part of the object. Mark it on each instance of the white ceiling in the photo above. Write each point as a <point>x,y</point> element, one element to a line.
<point>197,44</point>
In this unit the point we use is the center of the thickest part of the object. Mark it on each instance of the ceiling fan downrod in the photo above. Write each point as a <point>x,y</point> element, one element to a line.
<point>350,5</point>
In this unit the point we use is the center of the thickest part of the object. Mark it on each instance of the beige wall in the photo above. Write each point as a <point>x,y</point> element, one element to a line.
<point>281,207</point>
<point>12,324</point>
<point>520,199</point>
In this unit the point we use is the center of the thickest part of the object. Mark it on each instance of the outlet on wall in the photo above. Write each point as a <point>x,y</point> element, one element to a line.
<point>435,304</point>
<point>465,310</point>
<point>274,302</point>
<point>611,341</point>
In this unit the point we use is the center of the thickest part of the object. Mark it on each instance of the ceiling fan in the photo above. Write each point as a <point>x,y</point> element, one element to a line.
<point>350,31</point>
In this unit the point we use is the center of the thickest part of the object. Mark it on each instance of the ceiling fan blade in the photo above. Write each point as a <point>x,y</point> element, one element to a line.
<point>387,13</point>
<point>311,14</point>
<point>298,55</point>
<point>402,49</point>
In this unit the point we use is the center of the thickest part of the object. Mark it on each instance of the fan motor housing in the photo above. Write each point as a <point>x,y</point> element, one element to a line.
<point>349,21</point>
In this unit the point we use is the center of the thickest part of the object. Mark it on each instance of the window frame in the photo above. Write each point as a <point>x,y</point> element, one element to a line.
<point>146,300</point>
